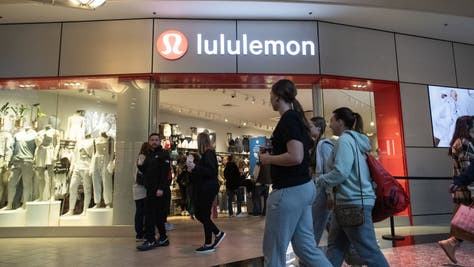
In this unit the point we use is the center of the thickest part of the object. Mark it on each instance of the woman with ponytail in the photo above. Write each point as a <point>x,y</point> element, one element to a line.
<point>351,177</point>
<point>289,204</point>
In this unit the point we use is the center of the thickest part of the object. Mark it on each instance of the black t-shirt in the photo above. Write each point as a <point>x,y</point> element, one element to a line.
<point>290,127</point>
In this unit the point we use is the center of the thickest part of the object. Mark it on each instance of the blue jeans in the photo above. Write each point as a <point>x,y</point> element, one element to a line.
<point>362,239</point>
<point>320,213</point>
<point>289,219</point>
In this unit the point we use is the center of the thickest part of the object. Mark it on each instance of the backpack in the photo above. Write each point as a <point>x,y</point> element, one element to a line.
<point>391,197</point>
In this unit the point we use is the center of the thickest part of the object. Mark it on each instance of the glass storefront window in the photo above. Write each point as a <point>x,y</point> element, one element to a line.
<point>60,143</point>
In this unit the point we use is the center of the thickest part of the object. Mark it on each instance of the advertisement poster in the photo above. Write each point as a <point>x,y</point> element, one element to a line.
<point>447,104</point>
<point>254,148</point>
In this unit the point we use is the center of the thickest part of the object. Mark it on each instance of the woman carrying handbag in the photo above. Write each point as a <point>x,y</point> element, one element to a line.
<point>462,152</point>
<point>355,197</point>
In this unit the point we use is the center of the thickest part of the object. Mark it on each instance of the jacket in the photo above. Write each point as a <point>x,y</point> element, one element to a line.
<point>350,148</point>
<point>232,176</point>
<point>204,174</point>
<point>156,168</point>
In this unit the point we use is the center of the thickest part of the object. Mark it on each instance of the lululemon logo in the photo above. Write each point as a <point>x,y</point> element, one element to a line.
<point>172,44</point>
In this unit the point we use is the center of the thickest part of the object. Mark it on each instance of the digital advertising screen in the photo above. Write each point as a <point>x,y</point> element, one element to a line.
<point>446,105</point>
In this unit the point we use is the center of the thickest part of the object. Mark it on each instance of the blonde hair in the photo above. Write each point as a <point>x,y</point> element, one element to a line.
<point>204,142</point>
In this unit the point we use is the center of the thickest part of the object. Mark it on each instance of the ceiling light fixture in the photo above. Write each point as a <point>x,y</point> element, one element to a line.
<point>83,4</point>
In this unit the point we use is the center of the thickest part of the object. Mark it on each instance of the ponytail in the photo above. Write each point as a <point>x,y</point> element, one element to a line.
<point>352,120</point>
<point>299,109</point>
<point>358,124</point>
<point>286,90</point>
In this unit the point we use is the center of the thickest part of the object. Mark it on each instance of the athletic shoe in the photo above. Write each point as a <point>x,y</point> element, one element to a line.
<point>219,237</point>
<point>205,249</point>
<point>241,215</point>
<point>163,243</point>
<point>147,245</point>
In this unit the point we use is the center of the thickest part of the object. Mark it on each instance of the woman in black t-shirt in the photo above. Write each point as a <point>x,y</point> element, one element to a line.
<point>289,215</point>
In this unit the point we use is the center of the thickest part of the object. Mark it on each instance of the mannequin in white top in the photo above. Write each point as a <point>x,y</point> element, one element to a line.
<point>81,171</point>
<point>102,161</point>
<point>22,165</point>
<point>6,151</point>
<point>47,147</point>
<point>76,127</point>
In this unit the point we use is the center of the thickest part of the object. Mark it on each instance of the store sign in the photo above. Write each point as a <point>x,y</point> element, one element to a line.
<point>243,46</point>
<point>173,45</point>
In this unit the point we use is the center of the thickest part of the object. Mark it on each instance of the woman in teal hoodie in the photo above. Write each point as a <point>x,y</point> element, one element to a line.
<point>347,163</point>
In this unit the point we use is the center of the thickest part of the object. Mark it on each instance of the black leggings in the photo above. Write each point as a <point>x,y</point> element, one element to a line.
<point>203,204</point>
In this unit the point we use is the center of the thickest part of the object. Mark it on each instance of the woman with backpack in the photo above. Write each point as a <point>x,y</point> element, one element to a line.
<point>351,177</point>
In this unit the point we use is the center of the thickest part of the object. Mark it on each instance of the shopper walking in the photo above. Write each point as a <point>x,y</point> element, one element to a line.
<point>320,153</point>
<point>289,204</point>
<point>462,152</point>
<point>206,186</point>
<point>155,168</point>
<point>350,173</point>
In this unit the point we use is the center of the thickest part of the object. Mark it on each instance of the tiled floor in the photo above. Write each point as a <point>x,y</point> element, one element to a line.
<point>242,247</point>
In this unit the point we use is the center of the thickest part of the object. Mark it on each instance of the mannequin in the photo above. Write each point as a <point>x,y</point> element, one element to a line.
<point>22,165</point>
<point>81,171</point>
<point>47,147</point>
<point>76,127</point>
<point>6,150</point>
<point>101,174</point>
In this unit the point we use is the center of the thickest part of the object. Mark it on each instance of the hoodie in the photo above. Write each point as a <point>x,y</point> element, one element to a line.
<point>350,148</point>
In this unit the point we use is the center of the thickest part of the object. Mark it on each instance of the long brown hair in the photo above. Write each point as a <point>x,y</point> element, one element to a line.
<point>286,90</point>
<point>204,142</point>
<point>461,131</point>
<point>145,149</point>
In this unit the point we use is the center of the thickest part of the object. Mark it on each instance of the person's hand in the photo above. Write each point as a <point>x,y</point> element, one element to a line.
<point>159,193</point>
<point>190,166</point>
<point>264,158</point>
<point>141,159</point>
<point>453,188</point>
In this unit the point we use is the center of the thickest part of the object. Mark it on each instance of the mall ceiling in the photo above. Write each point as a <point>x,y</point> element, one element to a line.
<point>440,19</point>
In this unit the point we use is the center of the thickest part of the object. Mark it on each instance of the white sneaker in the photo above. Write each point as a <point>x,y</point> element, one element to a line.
<point>240,215</point>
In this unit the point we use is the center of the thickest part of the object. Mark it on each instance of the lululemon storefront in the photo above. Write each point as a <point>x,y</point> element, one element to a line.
<point>77,100</point>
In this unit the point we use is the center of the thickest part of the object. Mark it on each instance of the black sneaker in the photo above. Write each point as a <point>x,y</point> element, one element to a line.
<point>205,249</point>
<point>219,237</point>
<point>147,245</point>
<point>163,243</point>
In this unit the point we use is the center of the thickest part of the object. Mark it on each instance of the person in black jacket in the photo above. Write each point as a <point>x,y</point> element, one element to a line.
<point>232,182</point>
<point>206,186</point>
<point>155,167</point>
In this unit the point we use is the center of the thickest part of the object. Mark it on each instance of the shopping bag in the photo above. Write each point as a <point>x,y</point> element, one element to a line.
<point>462,224</point>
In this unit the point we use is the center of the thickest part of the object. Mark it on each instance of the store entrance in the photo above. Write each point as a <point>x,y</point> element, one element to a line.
<point>236,108</point>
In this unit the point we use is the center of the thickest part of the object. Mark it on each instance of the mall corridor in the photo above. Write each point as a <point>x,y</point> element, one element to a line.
<point>241,248</point>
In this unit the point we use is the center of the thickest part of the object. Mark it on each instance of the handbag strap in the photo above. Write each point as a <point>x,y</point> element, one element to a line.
<point>358,166</point>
